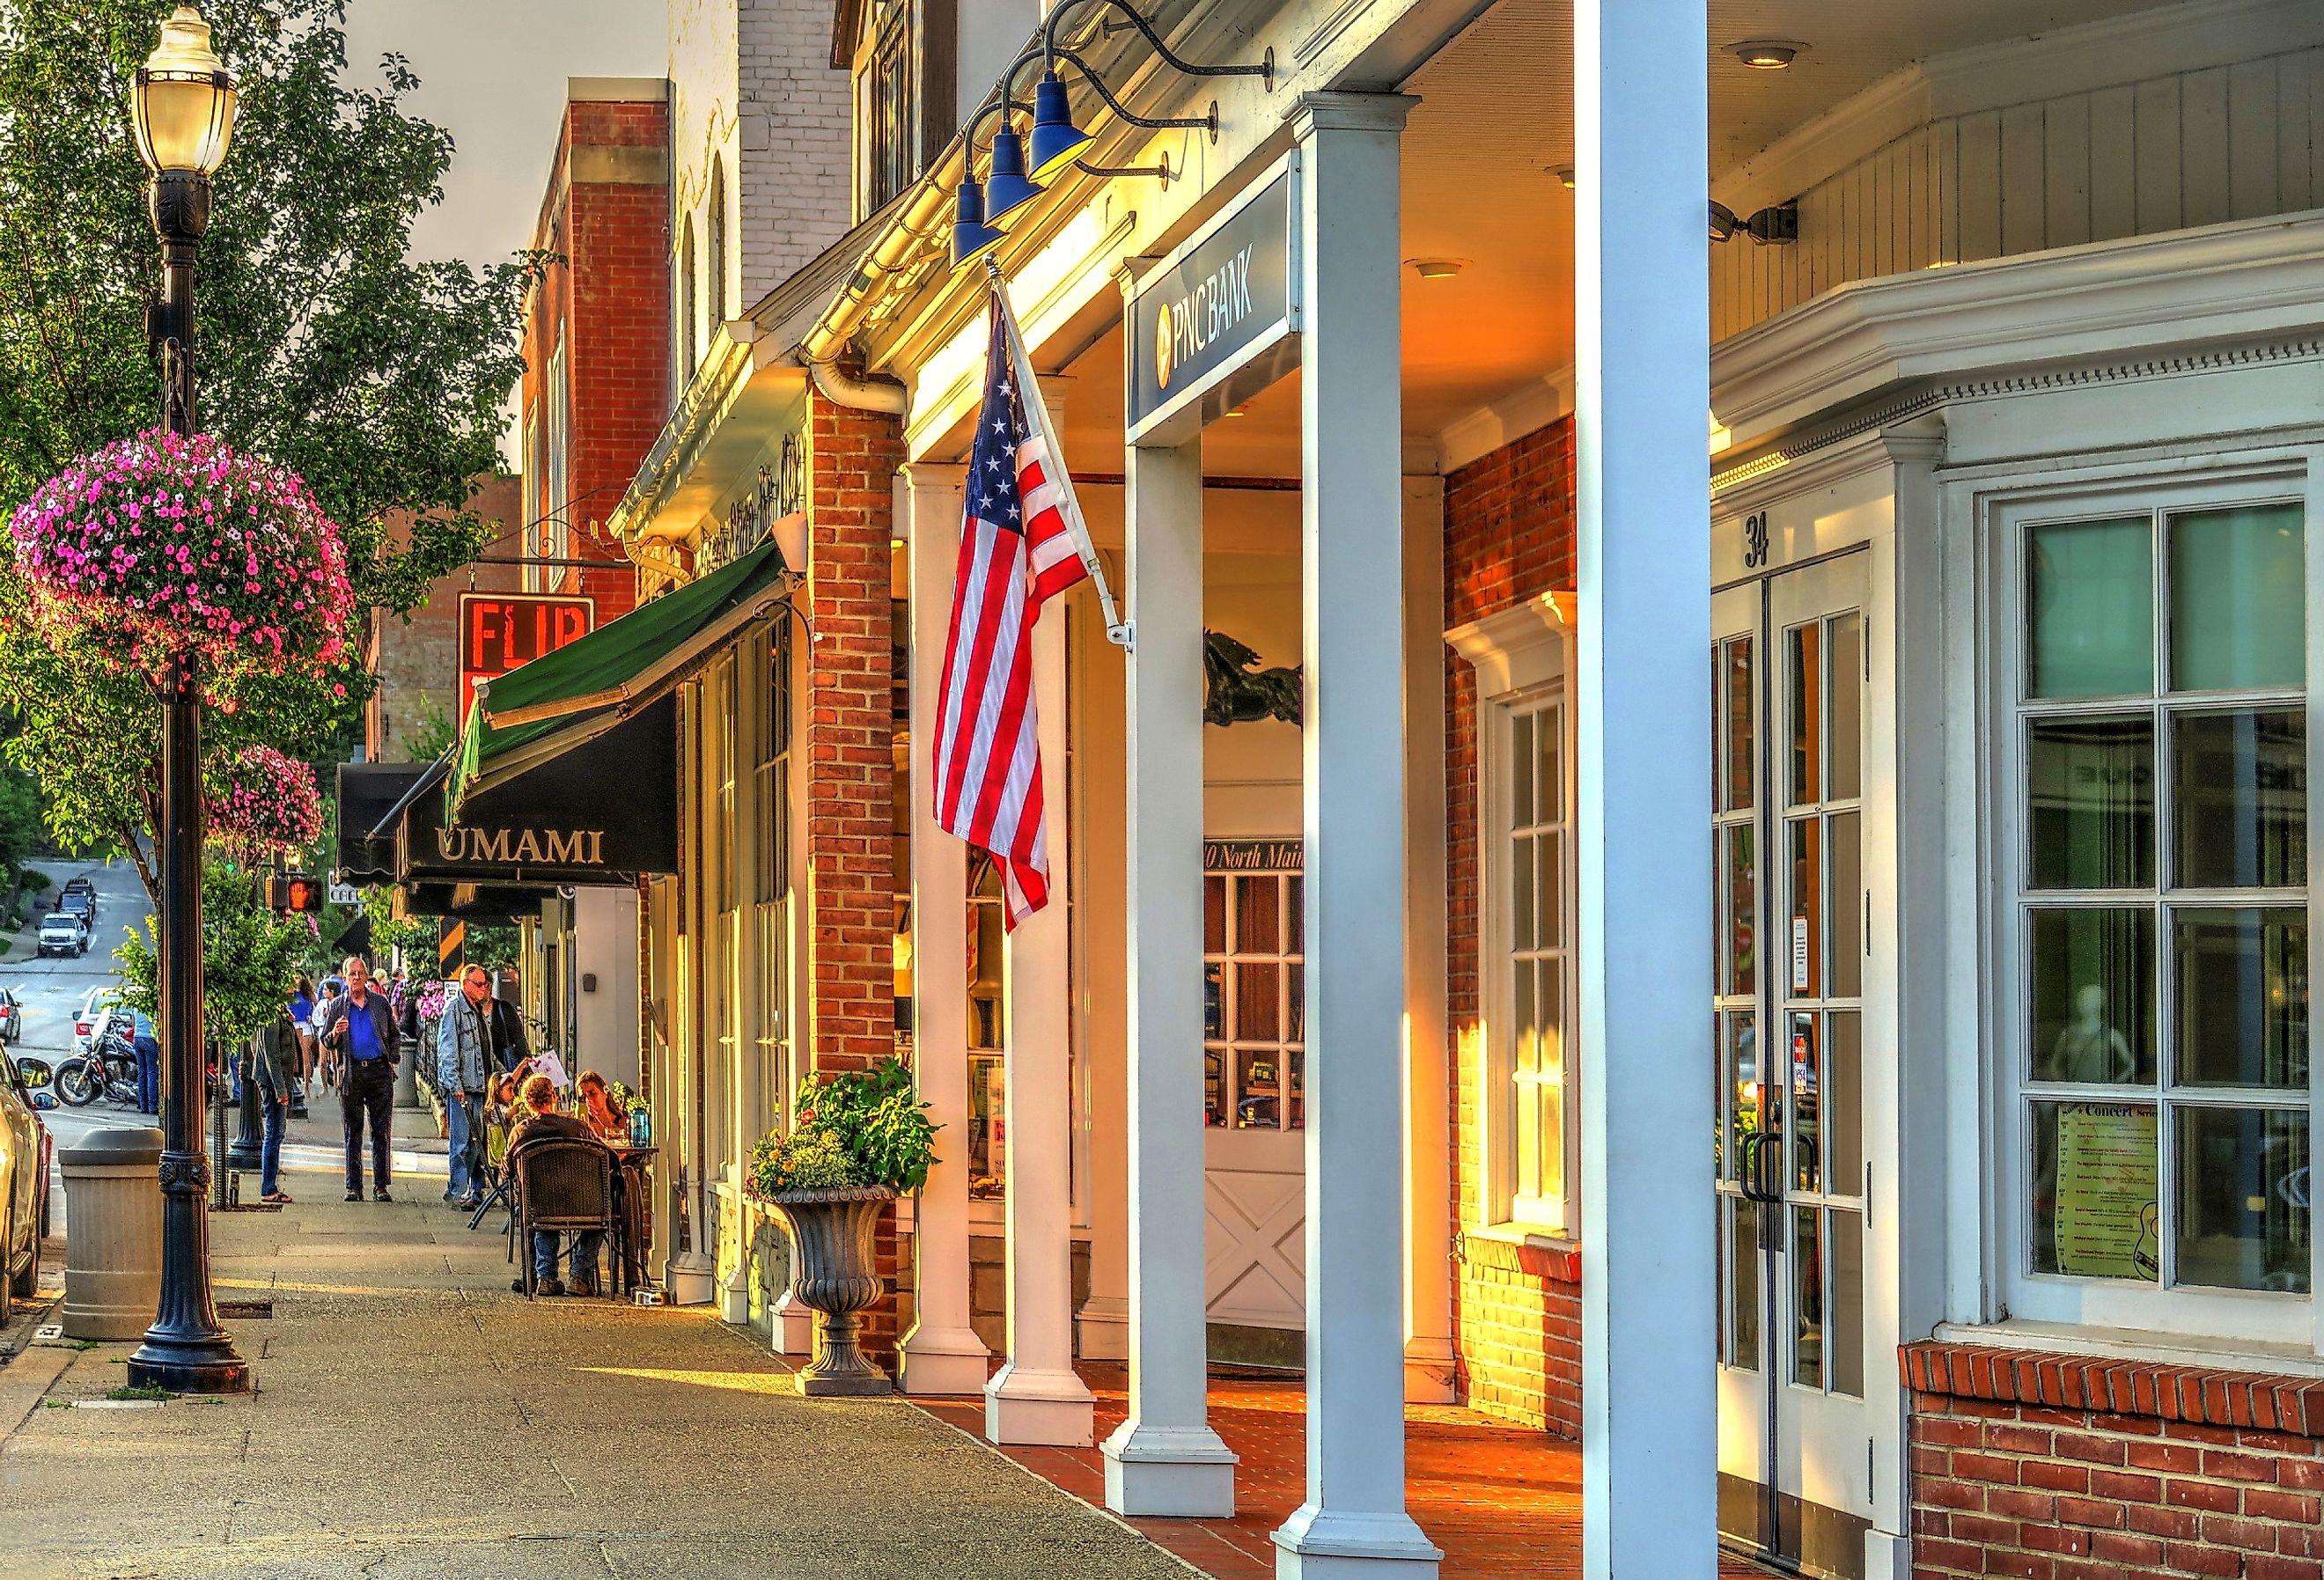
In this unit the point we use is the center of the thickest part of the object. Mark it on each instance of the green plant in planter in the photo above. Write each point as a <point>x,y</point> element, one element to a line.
<point>866,1127</point>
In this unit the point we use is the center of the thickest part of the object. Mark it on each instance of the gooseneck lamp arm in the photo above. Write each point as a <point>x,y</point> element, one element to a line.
<point>1051,50</point>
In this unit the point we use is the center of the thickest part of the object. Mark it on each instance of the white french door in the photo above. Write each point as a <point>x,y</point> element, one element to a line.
<point>1788,659</point>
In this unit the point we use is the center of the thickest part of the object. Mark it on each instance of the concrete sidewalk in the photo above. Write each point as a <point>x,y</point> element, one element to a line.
<point>415,1418</point>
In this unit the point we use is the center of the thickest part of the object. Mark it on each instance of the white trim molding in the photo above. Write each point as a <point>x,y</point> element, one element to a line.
<point>2249,281</point>
<point>1519,648</point>
<point>1529,408</point>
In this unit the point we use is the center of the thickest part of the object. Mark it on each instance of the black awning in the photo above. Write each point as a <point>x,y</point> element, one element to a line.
<point>603,810</point>
<point>478,902</point>
<point>368,791</point>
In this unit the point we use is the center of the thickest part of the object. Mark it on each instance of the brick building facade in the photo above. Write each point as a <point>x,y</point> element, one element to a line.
<point>417,657</point>
<point>1509,535</point>
<point>596,333</point>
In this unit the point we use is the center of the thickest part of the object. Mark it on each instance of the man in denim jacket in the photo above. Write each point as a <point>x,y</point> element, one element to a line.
<point>463,1042</point>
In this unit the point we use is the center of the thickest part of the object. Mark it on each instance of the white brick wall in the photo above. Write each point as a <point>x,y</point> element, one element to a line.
<point>752,84</point>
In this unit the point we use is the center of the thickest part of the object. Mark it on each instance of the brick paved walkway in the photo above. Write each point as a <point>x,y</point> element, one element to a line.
<point>1499,1499</point>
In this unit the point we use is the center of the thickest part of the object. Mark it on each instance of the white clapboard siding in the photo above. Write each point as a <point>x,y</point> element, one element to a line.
<point>2193,148</point>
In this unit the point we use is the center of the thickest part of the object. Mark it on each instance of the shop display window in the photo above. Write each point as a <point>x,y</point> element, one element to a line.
<point>988,1070</point>
<point>1254,1001</point>
<point>2162,898</point>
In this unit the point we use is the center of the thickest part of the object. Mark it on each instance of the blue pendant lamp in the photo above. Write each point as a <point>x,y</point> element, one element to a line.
<point>1056,141</point>
<point>972,238</point>
<point>1007,187</point>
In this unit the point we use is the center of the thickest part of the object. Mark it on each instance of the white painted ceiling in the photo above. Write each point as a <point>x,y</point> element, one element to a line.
<point>1495,118</point>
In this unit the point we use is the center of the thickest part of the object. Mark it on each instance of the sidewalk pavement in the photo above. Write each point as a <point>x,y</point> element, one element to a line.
<point>415,1418</point>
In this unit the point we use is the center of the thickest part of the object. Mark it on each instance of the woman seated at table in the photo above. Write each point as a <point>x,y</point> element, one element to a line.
<point>596,1105</point>
<point>501,1116</point>
<point>539,1094</point>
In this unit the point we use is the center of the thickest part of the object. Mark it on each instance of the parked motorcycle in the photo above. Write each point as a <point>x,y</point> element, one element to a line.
<point>108,1070</point>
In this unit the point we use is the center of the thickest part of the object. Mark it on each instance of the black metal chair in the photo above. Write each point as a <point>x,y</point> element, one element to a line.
<point>565,1185</point>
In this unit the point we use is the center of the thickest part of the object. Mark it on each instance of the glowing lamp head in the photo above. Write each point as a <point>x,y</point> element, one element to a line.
<point>1007,187</point>
<point>972,238</point>
<point>182,103</point>
<point>1056,141</point>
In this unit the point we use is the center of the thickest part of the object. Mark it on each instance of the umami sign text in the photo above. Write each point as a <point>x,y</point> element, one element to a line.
<point>523,848</point>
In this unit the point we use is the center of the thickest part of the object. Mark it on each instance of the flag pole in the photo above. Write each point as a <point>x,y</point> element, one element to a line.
<point>1117,631</point>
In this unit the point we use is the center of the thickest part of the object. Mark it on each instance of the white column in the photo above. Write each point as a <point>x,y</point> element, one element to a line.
<point>1428,1362</point>
<point>1351,616</point>
<point>1036,1397</point>
<point>941,1354</point>
<point>1165,1458</point>
<point>1642,826</point>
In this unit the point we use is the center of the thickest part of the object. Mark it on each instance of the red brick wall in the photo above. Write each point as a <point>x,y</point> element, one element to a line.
<point>852,458</point>
<point>1509,535</point>
<point>2054,1468</point>
<point>607,301</point>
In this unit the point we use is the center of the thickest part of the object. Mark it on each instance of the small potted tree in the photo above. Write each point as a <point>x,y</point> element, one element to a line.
<point>859,1140</point>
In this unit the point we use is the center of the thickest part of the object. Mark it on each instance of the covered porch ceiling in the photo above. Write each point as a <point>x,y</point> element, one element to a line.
<point>1482,151</point>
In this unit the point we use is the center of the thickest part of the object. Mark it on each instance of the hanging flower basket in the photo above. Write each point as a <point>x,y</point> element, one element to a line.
<point>164,544</point>
<point>264,804</point>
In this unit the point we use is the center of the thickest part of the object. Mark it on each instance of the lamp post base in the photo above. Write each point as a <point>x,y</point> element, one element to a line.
<point>197,1366</point>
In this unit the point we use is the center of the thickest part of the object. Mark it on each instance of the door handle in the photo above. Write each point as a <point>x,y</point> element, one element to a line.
<point>1762,1172</point>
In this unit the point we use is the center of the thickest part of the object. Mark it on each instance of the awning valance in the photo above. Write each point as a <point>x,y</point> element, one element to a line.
<point>585,688</point>
<point>368,792</point>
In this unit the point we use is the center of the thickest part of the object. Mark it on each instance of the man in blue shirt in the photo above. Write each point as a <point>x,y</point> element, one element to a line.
<point>360,1030</point>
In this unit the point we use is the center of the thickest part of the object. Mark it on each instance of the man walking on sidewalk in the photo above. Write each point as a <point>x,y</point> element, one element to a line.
<point>360,1031</point>
<point>464,1050</point>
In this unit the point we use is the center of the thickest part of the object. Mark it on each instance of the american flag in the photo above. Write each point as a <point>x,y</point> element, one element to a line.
<point>1022,543</point>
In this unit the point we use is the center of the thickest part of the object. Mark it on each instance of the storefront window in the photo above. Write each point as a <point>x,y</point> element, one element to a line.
<point>770,657</point>
<point>1254,994</point>
<point>988,1068</point>
<point>2164,897</point>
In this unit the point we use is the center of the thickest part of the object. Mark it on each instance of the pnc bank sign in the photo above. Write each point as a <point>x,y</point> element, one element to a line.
<point>1214,323</point>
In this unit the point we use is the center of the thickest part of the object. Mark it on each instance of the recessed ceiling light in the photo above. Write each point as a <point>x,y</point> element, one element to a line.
<point>1237,411</point>
<point>1437,268</point>
<point>1564,174</point>
<point>1766,54</point>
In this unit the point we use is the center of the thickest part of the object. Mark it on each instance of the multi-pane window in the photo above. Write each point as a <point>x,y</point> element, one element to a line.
<point>887,105</point>
<point>714,261</point>
<point>1532,899</point>
<point>2161,924</point>
<point>1735,975</point>
<point>689,324</point>
<point>1254,1001</point>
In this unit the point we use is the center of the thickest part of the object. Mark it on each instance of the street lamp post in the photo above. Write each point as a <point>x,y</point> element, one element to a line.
<point>182,112</point>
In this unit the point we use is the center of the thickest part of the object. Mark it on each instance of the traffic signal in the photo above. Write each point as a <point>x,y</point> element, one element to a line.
<point>294,893</point>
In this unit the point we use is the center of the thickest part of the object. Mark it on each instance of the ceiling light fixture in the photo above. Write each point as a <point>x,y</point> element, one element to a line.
<point>1437,268</point>
<point>1768,54</point>
<point>1564,174</point>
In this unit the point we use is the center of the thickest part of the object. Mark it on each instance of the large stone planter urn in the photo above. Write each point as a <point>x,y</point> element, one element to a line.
<point>835,1274</point>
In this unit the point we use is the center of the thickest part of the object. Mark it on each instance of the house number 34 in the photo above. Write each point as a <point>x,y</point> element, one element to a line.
<point>1755,540</point>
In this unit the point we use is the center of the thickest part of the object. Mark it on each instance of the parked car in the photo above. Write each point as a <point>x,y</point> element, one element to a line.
<point>82,887</point>
<point>63,933</point>
<point>11,1016</point>
<point>93,1006</point>
<point>24,1154</point>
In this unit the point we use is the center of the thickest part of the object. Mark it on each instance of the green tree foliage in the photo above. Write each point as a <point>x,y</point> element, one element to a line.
<point>248,954</point>
<point>318,344</point>
<point>492,945</point>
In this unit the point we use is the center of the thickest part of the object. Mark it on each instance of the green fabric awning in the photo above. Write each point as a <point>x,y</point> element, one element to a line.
<point>585,688</point>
